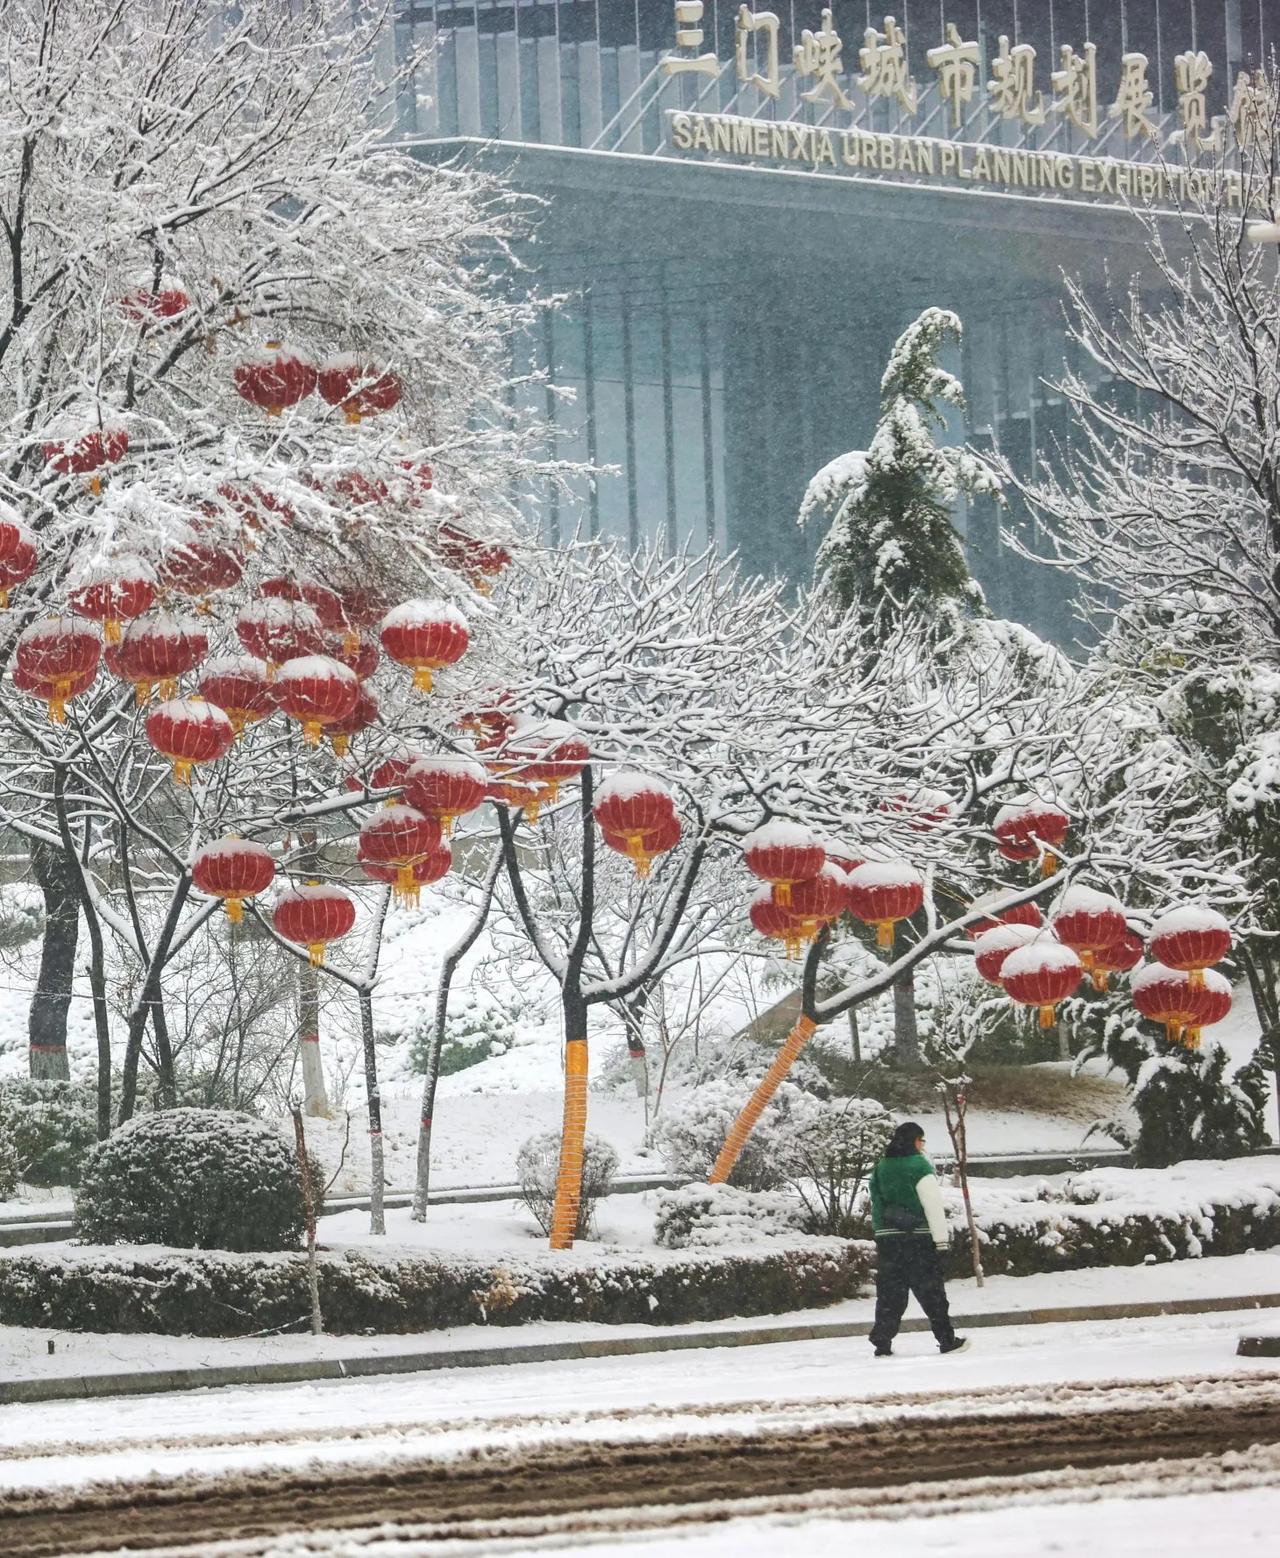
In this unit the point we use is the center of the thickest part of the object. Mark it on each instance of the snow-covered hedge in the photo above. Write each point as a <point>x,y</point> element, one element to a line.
<point>1122,1217</point>
<point>706,1216</point>
<point>212,1293</point>
<point>206,1179</point>
<point>51,1127</point>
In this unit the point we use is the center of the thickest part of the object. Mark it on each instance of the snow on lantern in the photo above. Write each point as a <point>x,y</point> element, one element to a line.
<point>774,921</point>
<point>313,916</point>
<point>155,305</point>
<point>1191,938</point>
<point>1165,995</point>
<point>1041,974</point>
<point>316,690</point>
<point>234,870</point>
<point>115,592</point>
<point>843,855</point>
<point>821,898</point>
<point>1088,922</point>
<point>395,839</point>
<point>326,603</point>
<point>882,892</point>
<point>156,651</point>
<point>446,786</point>
<point>992,947</point>
<point>1208,1001</point>
<point>278,630</point>
<point>198,566</point>
<point>59,655</point>
<point>634,809</point>
<point>358,654</point>
<point>783,852</point>
<point>85,453</point>
<point>363,607</point>
<point>426,636</point>
<point>392,772</point>
<point>18,555</point>
<point>274,378</point>
<point>478,561</point>
<point>1117,959</point>
<point>238,684</point>
<point>189,732</point>
<point>547,753</point>
<point>364,714</point>
<point>489,725</point>
<point>922,807</point>
<point>1024,828</point>
<point>1015,914</point>
<point>359,387</point>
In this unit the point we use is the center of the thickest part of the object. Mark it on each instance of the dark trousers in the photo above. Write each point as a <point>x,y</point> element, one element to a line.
<point>907,1263</point>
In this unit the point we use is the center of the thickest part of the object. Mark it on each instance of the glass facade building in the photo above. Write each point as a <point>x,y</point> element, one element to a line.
<point>729,304</point>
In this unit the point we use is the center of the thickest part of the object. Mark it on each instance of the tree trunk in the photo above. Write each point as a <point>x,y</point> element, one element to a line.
<point>315,1098</point>
<point>755,1106</point>
<point>573,1136</point>
<point>149,998</point>
<point>377,1171</point>
<point>56,874</point>
<point>855,1036</point>
<point>906,1032</point>
<point>168,1088</point>
<point>422,1176</point>
<point>309,1207</point>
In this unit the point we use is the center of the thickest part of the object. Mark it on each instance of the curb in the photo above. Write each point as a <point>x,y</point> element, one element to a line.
<point>157,1381</point>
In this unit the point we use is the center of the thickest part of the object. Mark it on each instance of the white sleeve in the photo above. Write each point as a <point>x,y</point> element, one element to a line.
<point>930,1193</point>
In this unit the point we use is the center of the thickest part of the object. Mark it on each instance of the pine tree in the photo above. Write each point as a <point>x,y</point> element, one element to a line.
<point>892,546</point>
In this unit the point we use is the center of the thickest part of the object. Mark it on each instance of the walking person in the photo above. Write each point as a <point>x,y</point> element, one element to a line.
<point>910,1230</point>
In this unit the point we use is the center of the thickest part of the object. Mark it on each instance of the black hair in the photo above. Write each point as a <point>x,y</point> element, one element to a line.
<point>902,1144</point>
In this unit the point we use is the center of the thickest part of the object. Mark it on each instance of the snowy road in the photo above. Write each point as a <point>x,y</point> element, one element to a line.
<point>599,1451</point>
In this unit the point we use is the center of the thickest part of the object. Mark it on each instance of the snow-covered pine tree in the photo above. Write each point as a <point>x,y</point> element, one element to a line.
<point>891,546</point>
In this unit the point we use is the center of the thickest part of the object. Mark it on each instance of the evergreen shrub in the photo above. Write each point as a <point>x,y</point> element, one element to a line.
<point>51,1126</point>
<point>195,1179</point>
<point>537,1165</point>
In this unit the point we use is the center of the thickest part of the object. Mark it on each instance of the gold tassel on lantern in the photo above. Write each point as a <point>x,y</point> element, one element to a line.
<point>884,933</point>
<point>1048,1016</point>
<point>315,954</point>
<point>422,679</point>
<point>235,910</point>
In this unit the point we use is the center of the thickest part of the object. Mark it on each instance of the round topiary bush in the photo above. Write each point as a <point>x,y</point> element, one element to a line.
<point>204,1179</point>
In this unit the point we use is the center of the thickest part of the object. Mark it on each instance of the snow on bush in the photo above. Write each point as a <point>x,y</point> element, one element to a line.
<point>706,1216</point>
<point>8,1165</point>
<point>51,1126</point>
<point>195,1179</point>
<point>690,1133</point>
<point>537,1164</point>
<point>826,1152</point>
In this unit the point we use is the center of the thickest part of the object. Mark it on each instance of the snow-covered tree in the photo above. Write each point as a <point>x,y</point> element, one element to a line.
<point>892,545</point>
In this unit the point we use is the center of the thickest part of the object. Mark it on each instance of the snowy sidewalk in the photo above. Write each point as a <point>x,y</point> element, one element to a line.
<point>86,1364</point>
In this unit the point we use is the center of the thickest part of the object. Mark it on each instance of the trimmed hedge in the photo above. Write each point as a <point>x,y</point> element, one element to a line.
<point>222,1294</point>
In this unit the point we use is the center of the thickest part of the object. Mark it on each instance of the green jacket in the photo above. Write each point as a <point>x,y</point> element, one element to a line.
<point>908,1182</point>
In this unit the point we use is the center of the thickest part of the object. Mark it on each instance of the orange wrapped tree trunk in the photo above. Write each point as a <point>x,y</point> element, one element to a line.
<point>755,1106</point>
<point>564,1216</point>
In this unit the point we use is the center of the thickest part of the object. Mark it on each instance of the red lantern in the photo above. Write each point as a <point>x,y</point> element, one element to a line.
<point>882,892</point>
<point>364,714</point>
<point>233,869</point>
<point>118,592</point>
<point>274,378</point>
<point>1208,1001</point>
<point>397,837</point>
<point>634,808</point>
<point>87,453</point>
<point>280,630</point>
<point>489,726</point>
<point>392,772</point>
<point>843,855</point>
<point>1119,959</point>
<point>427,636</point>
<point>189,731</point>
<point>316,690</point>
<point>1041,974</point>
<point>18,557</point>
<point>1022,829</point>
<point>359,655</point>
<point>1018,914</point>
<point>519,795</point>
<point>59,654</point>
<point>547,753</point>
<point>155,306</point>
<point>198,566</point>
<point>238,684</point>
<point>254,507</point>
<point>924,808</point>
<point>1088,922</point>
<point>1165,995</point>
<point>447,786</point>
<point>313,916</point>
<point>994,945</point>
<point>478,561</point>
<point>822,898</point>
<point>426,869</point>
<point>324,602</point>
<point>157,651</point>
<point>783,852</point>
<point>772,920</point>
<point>361,389</point>
<point>55,694</point>
<point>1190,938</point>
<point>363,607</point>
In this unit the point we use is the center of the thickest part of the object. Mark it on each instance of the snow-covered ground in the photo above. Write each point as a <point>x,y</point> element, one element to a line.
<point>24,1351</point>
